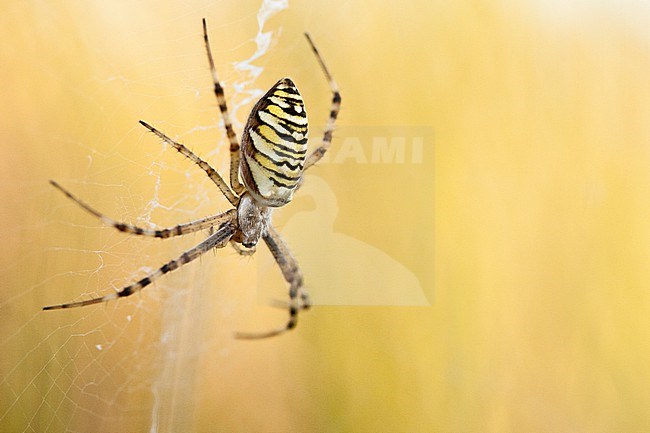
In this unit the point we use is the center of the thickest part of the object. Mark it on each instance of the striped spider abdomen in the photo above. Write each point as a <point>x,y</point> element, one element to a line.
<point>274,145</point>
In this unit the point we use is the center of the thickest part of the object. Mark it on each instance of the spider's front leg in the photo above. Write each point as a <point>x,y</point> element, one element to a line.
<point>217,240</point>
<point>298,297</point>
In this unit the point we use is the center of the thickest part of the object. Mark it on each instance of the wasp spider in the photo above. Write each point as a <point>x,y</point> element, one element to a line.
<point>270,161</point>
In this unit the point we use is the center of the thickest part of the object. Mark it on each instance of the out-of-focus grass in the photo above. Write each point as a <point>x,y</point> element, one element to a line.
<point>539,316</point>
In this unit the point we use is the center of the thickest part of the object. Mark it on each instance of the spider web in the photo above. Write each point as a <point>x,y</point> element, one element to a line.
<point>132,363</point>
<point>151,362</point>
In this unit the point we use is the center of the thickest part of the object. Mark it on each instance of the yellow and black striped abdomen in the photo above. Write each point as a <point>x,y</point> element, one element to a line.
<point>274,145</point>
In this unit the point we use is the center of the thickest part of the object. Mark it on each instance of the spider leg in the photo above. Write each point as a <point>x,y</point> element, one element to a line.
<point>179,230</point>
<point>218,240</point>
<point>211,172</point>
<point>298,297</point>
<point>227,123</point>
<point>334,111</point>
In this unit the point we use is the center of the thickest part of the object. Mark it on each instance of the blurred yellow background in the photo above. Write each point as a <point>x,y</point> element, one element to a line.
<point>534,254</point>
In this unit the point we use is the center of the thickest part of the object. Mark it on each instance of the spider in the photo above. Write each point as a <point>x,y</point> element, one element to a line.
<point>270,161</point>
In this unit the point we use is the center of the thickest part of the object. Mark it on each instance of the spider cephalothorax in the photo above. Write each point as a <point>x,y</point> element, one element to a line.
<point>271,161</point>
<point>253,220</point>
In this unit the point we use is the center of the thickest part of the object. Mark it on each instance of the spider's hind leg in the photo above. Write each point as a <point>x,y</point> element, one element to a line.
<point>225,115</point>
<point>335,107</point>
<point>211,172</point>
